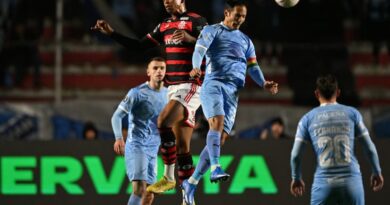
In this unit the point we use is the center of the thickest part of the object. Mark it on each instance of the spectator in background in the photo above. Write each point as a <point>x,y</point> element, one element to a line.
<point>271,129</point>
<point>90,132</point>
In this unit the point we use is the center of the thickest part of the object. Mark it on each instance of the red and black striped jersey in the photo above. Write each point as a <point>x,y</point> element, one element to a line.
<point>178,54</point>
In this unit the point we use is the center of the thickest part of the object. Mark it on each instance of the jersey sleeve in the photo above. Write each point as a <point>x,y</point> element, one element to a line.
<point>360,128</point>
<point>155,36</point>
<point>129,101</point>
<point>250,52</point>
<point>206,37</point>
<point>302,133</point>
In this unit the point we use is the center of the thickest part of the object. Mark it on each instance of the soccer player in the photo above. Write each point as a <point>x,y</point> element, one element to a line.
<point>229,54</point>
<point>178,33</point>
<point>143,104</point>
<point>332,129</point>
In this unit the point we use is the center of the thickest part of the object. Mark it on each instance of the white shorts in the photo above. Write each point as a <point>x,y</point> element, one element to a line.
<point>188,95</point>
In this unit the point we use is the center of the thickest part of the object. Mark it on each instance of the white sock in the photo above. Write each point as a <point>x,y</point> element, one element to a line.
<point>169,172</point>
<point>191,180</point>
<point>213,167</point>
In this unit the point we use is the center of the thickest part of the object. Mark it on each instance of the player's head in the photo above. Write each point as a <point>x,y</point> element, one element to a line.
<point>327,87</point>
<point>156,69</point>
<point>174,7</point>
<point>235,13</point>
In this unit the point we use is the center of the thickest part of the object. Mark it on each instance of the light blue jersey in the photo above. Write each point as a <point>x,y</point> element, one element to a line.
<point>331,129</point>
<point>143,105</point>
<point>228,52</point>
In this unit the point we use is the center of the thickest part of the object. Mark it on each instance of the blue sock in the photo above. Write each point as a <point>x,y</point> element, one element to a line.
<point>134,200</point>
<point>203,164</point>
<point>213,146</point>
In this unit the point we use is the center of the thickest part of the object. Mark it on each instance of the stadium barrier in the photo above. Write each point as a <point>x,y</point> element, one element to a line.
<point>88,172</point>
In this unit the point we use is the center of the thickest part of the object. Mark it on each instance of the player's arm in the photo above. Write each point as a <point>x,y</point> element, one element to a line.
<point>116,120</point>
<point>371,152</point>
<point>297,186</point>
<point>206,37</point>
<point>255,72</point>
<point>145,43</point>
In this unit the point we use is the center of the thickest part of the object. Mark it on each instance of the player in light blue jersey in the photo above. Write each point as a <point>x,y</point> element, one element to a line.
<point>332,129</point>
<point>143,104</point>
<point>229,55</point>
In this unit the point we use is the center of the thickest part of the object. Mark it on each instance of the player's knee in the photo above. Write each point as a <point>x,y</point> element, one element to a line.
<point>216,123</point>
<point>147,197</point>
<point>162,121</point>
<point>139,189</point>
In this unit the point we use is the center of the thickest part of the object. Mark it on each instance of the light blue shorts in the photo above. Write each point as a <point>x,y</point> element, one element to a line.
<point>218,98</point>
<point>346,191</point>
<point>140,165</point>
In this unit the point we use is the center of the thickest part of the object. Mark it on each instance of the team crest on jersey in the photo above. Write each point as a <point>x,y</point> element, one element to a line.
<point>185,18</point>
<point>182,25</point>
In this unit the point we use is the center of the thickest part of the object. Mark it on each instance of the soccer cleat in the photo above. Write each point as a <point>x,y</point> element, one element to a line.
<point>188,190</point>
<point>218,175</point>
<point>161,186</point>
<point>184,203</point>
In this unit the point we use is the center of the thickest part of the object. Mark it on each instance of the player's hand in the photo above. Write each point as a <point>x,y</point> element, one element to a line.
<point>271,86</point>
<point>119,146</point>
<point>195,73</point>
<point>377,182</point>
<point>103,27</point>
<point>297,188</point>
<point>182,36</point>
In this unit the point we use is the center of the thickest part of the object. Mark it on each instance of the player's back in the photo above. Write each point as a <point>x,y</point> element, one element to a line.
<point>147,104</point>
<point>227,55</point>
<point>332,129</point>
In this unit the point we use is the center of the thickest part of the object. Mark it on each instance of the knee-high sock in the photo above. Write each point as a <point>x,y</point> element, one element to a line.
<point>134,200</point>
<point>202,166</point>
<point>185,166</point>
<point>168,151</point>
<point>214,146</point>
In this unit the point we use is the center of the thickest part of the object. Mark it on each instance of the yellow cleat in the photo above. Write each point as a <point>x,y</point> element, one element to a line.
<point>161,186</point>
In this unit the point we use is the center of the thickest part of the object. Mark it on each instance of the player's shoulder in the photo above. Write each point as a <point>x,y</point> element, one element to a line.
<point>194,15</point>
<point>137,88</point>
<point>354,112</point>
<point>213,27</point>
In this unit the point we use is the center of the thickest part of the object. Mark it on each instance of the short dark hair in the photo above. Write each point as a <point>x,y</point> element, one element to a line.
<point>230,4</point>
<point>327,85</point>
<point>158,58</point>
<point>277,120</point>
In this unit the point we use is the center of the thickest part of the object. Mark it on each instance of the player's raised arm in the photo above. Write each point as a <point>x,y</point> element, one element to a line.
<point>145,43</point>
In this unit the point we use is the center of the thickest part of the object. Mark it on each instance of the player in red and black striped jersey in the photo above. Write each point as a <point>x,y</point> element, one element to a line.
<point>178,34</point>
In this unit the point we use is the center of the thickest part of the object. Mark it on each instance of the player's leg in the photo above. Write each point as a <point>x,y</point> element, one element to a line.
<point>184,157</point>
<point>139,187</point>
<point>353,194</point>
<point>179,115</point>
<point>189,186</point>
<point>148,197</point>
<point>320,193</point>
<point>136,166</point>
<point>172,113</point>
<point>190,99</point>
